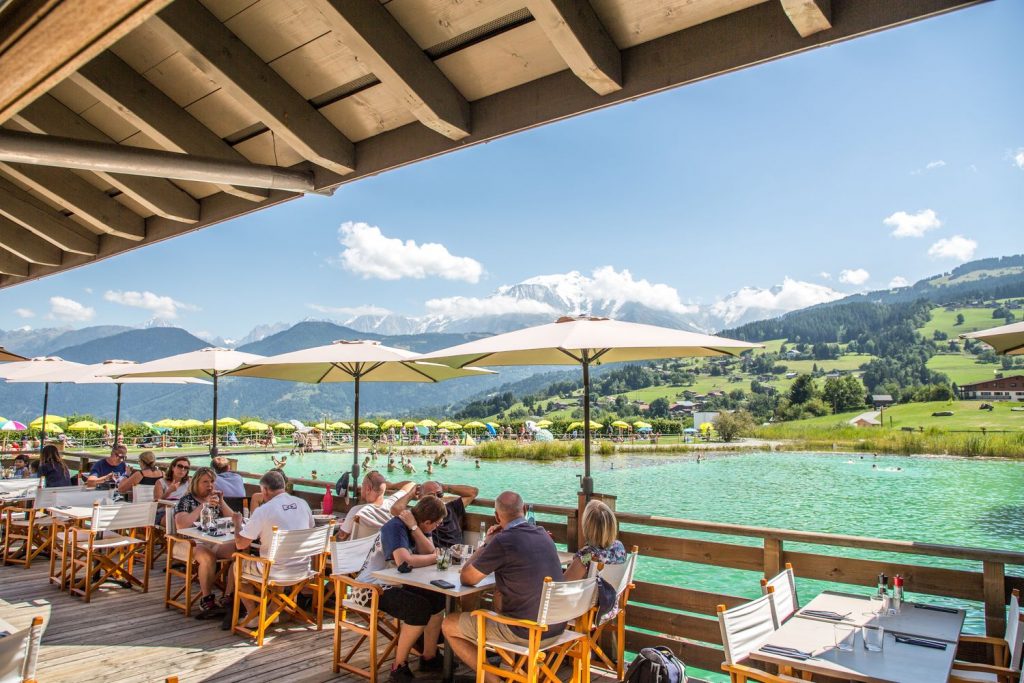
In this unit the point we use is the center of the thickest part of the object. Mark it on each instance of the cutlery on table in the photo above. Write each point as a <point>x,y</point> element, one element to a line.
<point>921,642</point>
<point>937,608</point>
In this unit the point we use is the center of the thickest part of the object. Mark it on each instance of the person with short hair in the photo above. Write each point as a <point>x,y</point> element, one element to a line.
<point>148,474</point>
<point>175,482</point>
<point>52,469</point>
<point>105,471</point>
<point>202,492</point>
<point>405,539</point>
<point>377,504</point>
<point>600,541</point>
<point>520,555</point>
<point>21,470</point>
<point>229,483</point>
<point>449,533</point>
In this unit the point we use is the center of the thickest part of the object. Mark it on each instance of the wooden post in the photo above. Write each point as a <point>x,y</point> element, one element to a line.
<point>994,587</point>
<point>772,557</point>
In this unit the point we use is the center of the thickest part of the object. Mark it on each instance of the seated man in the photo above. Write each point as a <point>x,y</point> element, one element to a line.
<point>279,509</point>
<point>229,483</point>
<point>376,506</point>
<point>520,555</point>
<point>450,531</point>
<point>406,539</point>
<point>103,471</point>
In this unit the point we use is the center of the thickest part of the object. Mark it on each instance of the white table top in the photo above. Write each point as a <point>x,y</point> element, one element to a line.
<point>75,512</point>
<point>897,663</point>
<point>197,535</point>
<point>422,576</point>
<point>911,620</point>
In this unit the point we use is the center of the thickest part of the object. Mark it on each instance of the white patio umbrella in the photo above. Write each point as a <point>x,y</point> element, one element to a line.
<point>100,374</point>
<point>356,362</point>
<point>1007,339</point>
<point>210,363</point>
<point>9,357</point>
<point>585,341</point>
<point>41,365</point>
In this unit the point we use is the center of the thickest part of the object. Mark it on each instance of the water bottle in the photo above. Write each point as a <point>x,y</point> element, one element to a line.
<point>328,503</point>
<point>897,593</point>
<point>530,519</point>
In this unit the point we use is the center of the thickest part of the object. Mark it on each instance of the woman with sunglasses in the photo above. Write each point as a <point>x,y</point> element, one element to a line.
<point>174,483</point>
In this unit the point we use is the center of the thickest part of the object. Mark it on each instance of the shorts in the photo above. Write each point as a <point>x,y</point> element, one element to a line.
<point>411,605</point>
<point>497,632</point>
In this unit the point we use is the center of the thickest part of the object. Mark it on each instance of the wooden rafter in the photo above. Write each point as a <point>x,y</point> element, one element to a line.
<point>809,16</point>
<point>582,41</point>
<point>27,245</point>
<point>377,39</point>
<point>13,267</point>
<point>226,60</point>
<point>30,213</point>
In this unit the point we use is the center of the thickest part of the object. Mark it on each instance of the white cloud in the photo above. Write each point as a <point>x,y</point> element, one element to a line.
<point>499,304</point>
<point>856,276</point>
<point>350,310</point>
<point>825,275</point>
<point>163,307</point>
<point>24,313</point>
<point>932,165</point>
<point>88,290</point>
<point>898,281</point>
<point>369,253</point>
<point>610,285</point>
<point>912,224</point>
<point>70,310</point>
<point>956,247</point>
<point>789,296</point>
<point>1018,159</point>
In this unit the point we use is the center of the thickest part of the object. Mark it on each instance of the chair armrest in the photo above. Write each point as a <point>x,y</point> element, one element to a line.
<point>1000,650</point>
<point>1002,673</point>
<point>348,581</point>
<point>759,675</point>
<point>494,616</point>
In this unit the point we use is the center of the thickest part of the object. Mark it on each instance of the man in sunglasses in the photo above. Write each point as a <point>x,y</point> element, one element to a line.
<point>104,471</point>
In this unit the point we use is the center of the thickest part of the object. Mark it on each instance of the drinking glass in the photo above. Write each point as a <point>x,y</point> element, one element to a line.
<point>846,636</point>
<point>873,636</point>
<point>443,560</point>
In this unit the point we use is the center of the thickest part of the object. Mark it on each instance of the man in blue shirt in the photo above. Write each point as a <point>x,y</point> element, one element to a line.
<point>104,471</point>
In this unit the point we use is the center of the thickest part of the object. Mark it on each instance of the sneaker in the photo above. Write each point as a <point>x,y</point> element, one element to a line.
<point>401,674</point>
<point>208,607</point>
<point>435,663</point>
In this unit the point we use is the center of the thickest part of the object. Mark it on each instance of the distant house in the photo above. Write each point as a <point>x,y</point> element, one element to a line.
<point>1001,389</point>
<point>682,407</point>
<point>641,406</point>
<point>832,375</point>
<point>792,353</point>
<point>881,400</point>
<point>865,420</point>
<point>790,375</point>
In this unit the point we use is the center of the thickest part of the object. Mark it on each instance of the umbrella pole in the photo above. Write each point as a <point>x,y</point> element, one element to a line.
<point>46,401</point>
<point>355,443</point>
<point>117,414</point>
<point>213,441</point>
<point>587,482</point>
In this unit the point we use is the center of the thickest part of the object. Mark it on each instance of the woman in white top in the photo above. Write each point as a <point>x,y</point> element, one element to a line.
<point>174,484</point>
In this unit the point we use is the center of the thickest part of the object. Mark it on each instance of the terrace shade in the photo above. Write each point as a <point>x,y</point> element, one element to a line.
<point>8,357</point>
<point>75,373</point>
<point>356,362</point>
<point>42,365</point>
<point>1007,339</point>
<point>585,341</point>
<point>210,363</point>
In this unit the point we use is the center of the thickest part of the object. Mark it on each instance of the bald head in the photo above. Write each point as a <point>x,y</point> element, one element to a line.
<point>508,506</point>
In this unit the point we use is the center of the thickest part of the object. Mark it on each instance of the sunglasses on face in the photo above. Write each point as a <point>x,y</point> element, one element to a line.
<point>181,466</point>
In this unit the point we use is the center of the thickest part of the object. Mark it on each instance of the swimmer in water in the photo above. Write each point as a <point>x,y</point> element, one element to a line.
<point>279,464</point>
<point>477,461</point>
<point>312,475</point>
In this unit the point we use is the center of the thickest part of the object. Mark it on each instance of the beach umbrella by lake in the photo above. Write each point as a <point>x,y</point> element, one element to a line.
<point>640,424</point>
<point>448,424</point>
<point>585,341</point>
<point>208,364</point>
<point>254,426</point>
<point>543,435</point>
<point>579,425</point>
<point>12,426</point>
<point>167,422</point>
<point>429,424</point>
<point>369,426</point>
<point>1006,339</point>
<point>392,423</point>
<point>340,426</point>
<point>38,422</point>
<point>544,424</point>
<point>284,427</point>
<point>351,361</point>
<point>84,426</point>
<point>476,425</point>
<point>619,424</point>
<point>9,357</point>
<point>410,425</point>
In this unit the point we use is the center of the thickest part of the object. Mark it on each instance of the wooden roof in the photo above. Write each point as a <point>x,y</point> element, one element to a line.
<point>132,121</point>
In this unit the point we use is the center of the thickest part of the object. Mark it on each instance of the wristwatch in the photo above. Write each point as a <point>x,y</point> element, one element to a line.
<point>414,528</point>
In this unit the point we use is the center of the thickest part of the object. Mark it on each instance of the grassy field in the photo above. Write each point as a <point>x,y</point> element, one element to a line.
<point>963,369</point>
<point>945,321</point>
<point>967,415</point>
<point>850,361</point>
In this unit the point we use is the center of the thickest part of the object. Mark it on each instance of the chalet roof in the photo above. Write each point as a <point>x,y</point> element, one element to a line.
<point>1019,378</point>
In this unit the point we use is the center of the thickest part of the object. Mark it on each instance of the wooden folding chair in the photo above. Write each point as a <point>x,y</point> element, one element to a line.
<point>99,553</point>
<point>620,577</point>
<point>784,585</point>
<point>27,529</point>
<point>274,581</point>
<point>60,536</point>
<point>565,601</point>
<point>19,652</point>
<point>1007,652</point>
<point>347,560</point>
<point>744,629</point>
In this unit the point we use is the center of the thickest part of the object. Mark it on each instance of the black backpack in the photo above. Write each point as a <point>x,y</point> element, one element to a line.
<point>656,665</point>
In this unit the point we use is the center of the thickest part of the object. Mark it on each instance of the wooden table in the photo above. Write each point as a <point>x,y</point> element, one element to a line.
<point>914,619</point>
<point>421,578</point>
<point>896,663</point>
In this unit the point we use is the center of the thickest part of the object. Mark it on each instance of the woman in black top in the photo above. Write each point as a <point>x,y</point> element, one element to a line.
<point>52,468</point>
<point>148,473</point>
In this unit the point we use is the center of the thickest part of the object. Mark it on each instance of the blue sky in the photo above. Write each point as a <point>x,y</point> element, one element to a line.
<point>787,170</point>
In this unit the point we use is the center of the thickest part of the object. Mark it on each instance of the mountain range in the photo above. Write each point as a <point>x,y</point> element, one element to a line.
<point>530,302</point>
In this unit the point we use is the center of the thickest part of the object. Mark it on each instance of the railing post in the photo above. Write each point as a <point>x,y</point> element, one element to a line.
<point>994,588</point>
<point>772,557</point>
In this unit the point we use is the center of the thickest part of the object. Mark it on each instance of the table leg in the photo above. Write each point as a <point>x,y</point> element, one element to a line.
<point>448,670</point>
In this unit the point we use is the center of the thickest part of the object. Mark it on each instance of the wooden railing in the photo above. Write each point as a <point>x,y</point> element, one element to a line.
<point>684,619</point>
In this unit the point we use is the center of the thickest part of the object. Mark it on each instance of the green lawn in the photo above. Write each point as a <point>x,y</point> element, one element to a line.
<point>966,416</point>
<point>963,369</point>
<point>974,319</point>
<point>850,361</point>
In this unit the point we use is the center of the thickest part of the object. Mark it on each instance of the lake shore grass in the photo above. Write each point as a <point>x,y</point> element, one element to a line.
<point>881,440</point>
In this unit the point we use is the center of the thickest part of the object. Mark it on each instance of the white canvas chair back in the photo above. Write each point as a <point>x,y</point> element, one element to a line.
<point>785,597</point>
<point>18,653</point>
<point>348,557</point>
<point>123,517</point>
<point>18,486</point>
<point>368,521</point>
<point>79,497</point>
<point>47,498</point>
<point>288,549</point>
<point>1014,632</point>
<point>143,494</point>
<point>170,528</point>
<point>747,627</point>
<point>618,576</point>
<point>563,601</point>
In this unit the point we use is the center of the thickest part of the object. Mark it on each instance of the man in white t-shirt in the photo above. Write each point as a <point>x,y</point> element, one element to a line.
<point>279,509</point>
<point>376,510</point>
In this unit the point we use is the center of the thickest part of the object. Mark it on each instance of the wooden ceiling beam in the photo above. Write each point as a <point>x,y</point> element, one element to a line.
<point>378,40</point>
<point>580,38</point>
<point>53,41</point>
<point>27,245</point>
<point>226,60</point>
<point>13,267</point>
<point>162,197</point>
<point>140,103</point>
<point>809,16</point>
<point>68,189</point>
<point>54,227</point>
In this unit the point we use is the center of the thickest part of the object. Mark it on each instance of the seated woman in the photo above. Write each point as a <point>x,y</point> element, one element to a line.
<point>52,469</point>
<point>174,483</point>
<point>148,474</point>
<point>406,539</point>
<point>600,544</point>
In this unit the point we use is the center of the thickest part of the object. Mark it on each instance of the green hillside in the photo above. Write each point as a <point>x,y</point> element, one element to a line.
<point>944,320</point>
<point>967,415</point>
<point>963,368</point>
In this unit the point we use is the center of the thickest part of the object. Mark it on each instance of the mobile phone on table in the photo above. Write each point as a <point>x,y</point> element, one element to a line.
<point>441,583</point>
